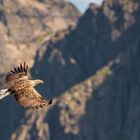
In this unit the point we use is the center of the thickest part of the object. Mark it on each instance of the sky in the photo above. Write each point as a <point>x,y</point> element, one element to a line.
<point>82,5</point>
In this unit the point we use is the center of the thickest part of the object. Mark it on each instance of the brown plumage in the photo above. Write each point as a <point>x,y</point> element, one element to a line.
<point>22,88</point>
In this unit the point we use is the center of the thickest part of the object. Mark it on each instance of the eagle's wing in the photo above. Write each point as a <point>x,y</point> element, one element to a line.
<point>29,97</point>
<point>17,74</point>
<point>18,83</point>
<point>14,76</point>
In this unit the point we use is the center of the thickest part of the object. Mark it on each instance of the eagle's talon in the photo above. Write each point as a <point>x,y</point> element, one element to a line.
<point>50,101</point>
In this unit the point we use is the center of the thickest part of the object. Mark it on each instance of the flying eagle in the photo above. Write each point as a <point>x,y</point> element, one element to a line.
<point>22,88</point>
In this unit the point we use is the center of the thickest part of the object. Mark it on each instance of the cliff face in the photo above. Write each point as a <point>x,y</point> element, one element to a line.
<point>93,72</point>
<point>103,51</point>
<point>115,103</point>
<point>24,27</point>
<point>90,46</point>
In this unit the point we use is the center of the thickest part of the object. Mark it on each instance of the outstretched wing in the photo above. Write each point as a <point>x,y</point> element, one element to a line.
<point>24,92</point>
<point>17,74</point>
<point>29,97</point>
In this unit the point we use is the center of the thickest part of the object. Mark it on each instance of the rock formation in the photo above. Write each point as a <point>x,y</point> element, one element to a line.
<point>92,71</point>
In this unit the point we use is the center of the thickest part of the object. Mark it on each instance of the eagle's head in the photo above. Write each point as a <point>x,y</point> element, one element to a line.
<point>36,82</point>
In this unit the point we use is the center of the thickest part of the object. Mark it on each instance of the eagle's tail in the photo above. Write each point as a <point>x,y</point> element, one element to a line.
<point>4,93</point>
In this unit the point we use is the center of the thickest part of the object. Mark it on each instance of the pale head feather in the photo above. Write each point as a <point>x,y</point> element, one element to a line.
<point>36,82</point>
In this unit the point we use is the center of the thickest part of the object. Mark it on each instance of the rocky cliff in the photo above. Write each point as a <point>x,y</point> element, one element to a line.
<point>24,27</point>
<point>92,71</point>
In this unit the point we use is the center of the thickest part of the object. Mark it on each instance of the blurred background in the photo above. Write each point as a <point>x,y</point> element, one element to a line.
<point>88,54</point>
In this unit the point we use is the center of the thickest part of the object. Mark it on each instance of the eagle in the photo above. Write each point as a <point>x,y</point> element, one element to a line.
<point>18,84</point>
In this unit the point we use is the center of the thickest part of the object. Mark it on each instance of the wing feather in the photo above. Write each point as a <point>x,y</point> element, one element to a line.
<point>4,93</point>
<point>29,97</point>
<point>17,74</point>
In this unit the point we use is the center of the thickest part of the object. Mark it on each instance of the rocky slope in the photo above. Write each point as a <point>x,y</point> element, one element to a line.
<point>105,36</point>
<point>93,72</point>
<point>24,27</point>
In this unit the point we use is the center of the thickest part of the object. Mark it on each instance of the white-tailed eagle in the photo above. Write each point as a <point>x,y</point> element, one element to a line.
<point>22,88</point>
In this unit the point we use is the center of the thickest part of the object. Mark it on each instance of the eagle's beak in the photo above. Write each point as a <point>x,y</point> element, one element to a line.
<point>42,82</point>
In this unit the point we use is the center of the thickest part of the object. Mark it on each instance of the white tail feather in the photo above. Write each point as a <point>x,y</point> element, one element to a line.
<point>3,93</point>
